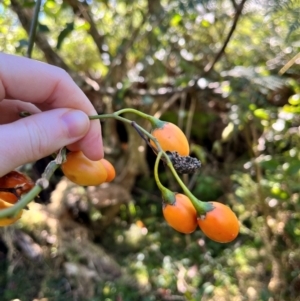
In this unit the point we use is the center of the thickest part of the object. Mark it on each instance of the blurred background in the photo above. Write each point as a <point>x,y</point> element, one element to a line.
<point>228,73</point>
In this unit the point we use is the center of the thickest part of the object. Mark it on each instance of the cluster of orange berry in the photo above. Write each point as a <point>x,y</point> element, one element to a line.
<point>182,212</point>
<point>219,223</point>
<point>78,168</point>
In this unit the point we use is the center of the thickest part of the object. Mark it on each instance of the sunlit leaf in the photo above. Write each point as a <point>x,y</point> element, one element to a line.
<point>294,99</point>
<point>261,114</point>
<point>205,23</point>
<point>291,109</point>
<point>175,20</point>
<point>228,132</point>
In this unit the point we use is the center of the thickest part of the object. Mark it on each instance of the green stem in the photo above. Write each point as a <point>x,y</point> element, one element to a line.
<point>158,183</point>
<point>137,112</point>
<point>201,207</point>
<point>167,195</point>
<point>14,210</point>
<point>116,116</point>
<point>113,115</point>
<point>155,122</point>
<point>41,183</point>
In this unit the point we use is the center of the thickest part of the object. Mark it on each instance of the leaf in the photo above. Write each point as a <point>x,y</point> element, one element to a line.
<point>175,20</point>
<point>261,114</point>
<point>64,33</point>
<point>205,23</point>
<point>228,132</point>
<point>43,28</point>
<point>291,109</point>
<point>294,99</point>
<point>293,168</point>
<point>270,165</point>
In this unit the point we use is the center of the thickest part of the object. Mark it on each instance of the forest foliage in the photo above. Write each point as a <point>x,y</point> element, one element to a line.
<point>228,73</point>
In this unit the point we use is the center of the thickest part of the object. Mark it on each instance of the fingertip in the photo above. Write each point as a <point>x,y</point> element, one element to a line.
<point>77,123</point>
<point>91,144</point>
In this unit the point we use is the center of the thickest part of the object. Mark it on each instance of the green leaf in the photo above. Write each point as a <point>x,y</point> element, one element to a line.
<point>205,23</point>
<point>270,165</point>
<point>294,100</point>
<point>261,114</point>
<point>175,20</point>
<point>43,28</point>
<point>228,132</point>
<point>293,168</point>
<point>291,109</point>
<point>64,33</point>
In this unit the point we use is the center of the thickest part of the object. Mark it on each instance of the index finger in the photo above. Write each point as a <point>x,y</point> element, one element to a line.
<point>49,87</point>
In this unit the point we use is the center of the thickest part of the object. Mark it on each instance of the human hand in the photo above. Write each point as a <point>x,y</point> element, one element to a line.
<point>59,114</point>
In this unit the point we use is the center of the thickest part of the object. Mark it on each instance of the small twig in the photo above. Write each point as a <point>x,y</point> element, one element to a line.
<point>40,40</point>
<point>167,104</point>
<point>238,13</point>
<point>190,117</point>
<point>134,125</point>
<point>235,5</point>
<point>289,64</point>
<point>193,180</point>
<point>97,37</point>
<point>33,27</point>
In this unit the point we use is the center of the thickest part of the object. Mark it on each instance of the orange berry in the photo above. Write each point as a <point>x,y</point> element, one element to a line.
<point>220,224</point>
<point>171,138</point>
<point>111,172</point>
<point>83,171</point>
<point>16,179</point>
<point>8,221</point>
<point>181,215</point>
<point>8,197</point>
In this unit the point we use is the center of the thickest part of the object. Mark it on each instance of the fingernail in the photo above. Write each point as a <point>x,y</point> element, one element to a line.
<point>77,123</point>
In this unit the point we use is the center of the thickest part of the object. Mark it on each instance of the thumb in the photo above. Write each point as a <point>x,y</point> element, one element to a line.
<point>39,135</point>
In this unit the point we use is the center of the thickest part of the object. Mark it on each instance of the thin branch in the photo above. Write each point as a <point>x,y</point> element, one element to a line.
<point>289,64</point>
<point>235,5</point>
<point>238,13</point>
<point>97,37</point>
<point>33,27</point>
<point>167,104</point>
<point>190,117</point>
<point>25,17</point>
